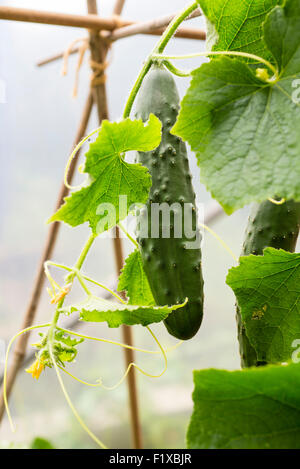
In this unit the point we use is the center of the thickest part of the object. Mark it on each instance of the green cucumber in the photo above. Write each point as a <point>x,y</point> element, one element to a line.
<point>173,270</point>
<point>269,225</point>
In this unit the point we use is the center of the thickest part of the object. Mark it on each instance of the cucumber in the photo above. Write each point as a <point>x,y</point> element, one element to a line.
<point>269,225</point>
<point>173,270</point>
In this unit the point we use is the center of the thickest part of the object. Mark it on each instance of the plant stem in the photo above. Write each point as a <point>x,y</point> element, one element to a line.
<point>80,280</point>
<point>5,395</point>
<point>113,342</point>
<point>85,251</point>
<point>59,266</point>
<point>159,48</point>
<point>77,267</point>
<point>209,53</point>
<point>165,38</point>
<point>104,288</point>
<point>70,403</point>
<point>128,235</point>
<point>54,321</point>
<point>175,70</point>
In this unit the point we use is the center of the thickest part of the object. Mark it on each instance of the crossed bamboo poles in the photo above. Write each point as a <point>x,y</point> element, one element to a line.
<point>112,29</point>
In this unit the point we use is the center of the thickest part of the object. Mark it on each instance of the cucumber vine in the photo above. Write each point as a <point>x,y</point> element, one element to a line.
<point>47,354</point>
<point>241,121</point>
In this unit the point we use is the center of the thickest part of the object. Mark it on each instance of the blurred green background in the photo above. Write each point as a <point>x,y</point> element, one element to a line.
<point>38,123</point>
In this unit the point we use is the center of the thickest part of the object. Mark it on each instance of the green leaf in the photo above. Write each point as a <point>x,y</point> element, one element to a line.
<point>67,340</point>
<point>41,443</point>
<point>257,408</point>
<point>134,281</point>
<point>282,37</point>
<point>236,25</point>
<point>110,176</point>
<point>267,289</point>
<point>245,131</point>
<point>95,309</point>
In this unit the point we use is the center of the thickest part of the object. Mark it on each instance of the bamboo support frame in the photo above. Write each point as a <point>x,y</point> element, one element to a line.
<point>137,28</point>
<point>134,29</point>
<point>118,8</point>
<point>157,26</point>
<point>153,27</point>
<point>90,21</point>
<point>136,428</point>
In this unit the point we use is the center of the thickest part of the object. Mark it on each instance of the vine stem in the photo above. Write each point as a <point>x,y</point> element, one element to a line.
<point>85,251</point>
<point>113,342</point>
<point>165,38</point>
<point>51,334</point>
<point>277,202</point>
<point>211,53</point>
<point>71,158</point>
<point>81,277</point>
<point>158,49</point>
<point>77,268</point>
<point>82,283</point>
<point>104,288</point>
<point>128,235</point>
<point>130,365</point>
<point>70,403</point>
<point>221,241</point>
<point>5,395</point>
<point>176,71</point>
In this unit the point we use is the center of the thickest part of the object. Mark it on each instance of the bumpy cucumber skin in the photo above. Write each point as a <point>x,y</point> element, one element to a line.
<point>269,225</point>
<point>174,272</point>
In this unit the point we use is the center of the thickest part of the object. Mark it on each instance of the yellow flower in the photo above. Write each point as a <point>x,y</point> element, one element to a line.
<point>36,369</point>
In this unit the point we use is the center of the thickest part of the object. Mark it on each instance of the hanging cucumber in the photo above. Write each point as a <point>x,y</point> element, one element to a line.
<point>269,225</point>
<point>173,269</point>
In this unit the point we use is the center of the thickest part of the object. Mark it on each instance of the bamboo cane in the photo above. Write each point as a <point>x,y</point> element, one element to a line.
<point>98,53</point>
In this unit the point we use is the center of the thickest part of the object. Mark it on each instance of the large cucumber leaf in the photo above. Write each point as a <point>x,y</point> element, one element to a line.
<point>237,25</point>
<point>134,281</point>
<point>95,309</point>
<point>245,131</point>
<point>110,176</point>
<point>267,289</point>
<point>257,408</point>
